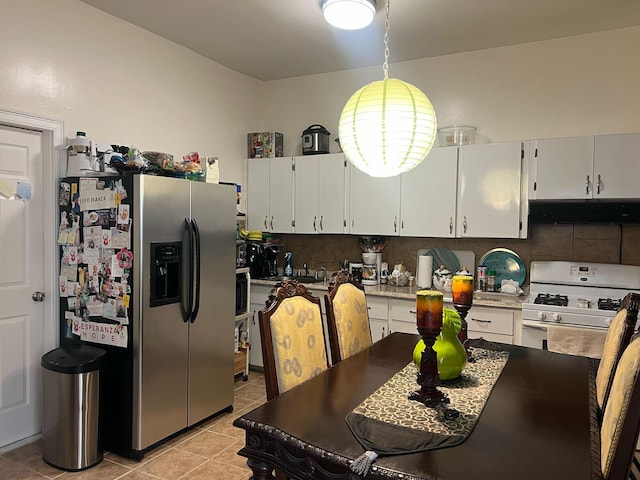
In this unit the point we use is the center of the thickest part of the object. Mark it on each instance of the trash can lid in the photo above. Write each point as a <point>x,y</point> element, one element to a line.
<point>73,359</point>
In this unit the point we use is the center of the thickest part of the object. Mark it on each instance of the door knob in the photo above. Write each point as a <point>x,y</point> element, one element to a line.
<point>37,296</point>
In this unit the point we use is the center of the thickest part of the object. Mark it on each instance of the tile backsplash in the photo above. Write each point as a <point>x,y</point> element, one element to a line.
<point>570,242</point>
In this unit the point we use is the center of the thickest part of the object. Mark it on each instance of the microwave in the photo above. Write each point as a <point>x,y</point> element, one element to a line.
<point>242,290</point>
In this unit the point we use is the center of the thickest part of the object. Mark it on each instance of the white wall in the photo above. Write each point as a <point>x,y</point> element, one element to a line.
<point>572,86</point>
<point>68,61</point>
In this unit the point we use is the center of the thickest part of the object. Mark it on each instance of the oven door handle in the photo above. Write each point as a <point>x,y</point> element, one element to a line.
<point>536,325</point>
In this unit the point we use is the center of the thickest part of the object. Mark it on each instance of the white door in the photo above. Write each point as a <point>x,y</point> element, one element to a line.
<point>489,182</point>
<point>21,274</point>
<point>375,204</point>
<point>428,196</point>
<point>306,194</point>
<point>332,199</point>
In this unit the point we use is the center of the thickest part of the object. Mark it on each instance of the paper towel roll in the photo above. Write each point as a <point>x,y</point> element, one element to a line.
<point>425,270</point>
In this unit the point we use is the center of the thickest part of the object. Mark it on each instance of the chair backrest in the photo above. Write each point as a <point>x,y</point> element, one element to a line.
<point>621,420</point>
<point>347,317</point>
<point>292,334</point>
<point>618,337</point>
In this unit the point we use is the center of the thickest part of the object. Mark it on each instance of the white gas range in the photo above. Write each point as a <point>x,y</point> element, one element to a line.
<point>575,294</point>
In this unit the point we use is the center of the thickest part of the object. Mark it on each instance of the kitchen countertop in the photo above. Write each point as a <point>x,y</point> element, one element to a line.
<point>486,299</point>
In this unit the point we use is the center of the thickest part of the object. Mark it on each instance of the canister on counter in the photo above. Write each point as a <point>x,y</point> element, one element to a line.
<point>482,278</point>
<point>491,280</point>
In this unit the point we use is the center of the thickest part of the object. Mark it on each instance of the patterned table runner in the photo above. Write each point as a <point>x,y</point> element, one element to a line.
<point>387,423</point>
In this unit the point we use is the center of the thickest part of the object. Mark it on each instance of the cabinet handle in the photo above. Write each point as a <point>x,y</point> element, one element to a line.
<point>413,311</point>
<point>321,218</point>
<point>314,223</point>
<point>271,223</point>
<point>598,184</point>
<point>464,224</point>
<point>479,320</point>
<point>395,223</point>
<point>266,218</point>
<point>383,333</point>
<point>588,182</point>
<point>450,225</point>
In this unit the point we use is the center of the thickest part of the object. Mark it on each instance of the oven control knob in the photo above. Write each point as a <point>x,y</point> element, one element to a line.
<point>608,321</point>
<point>542,316</point>
<point>556,317</point>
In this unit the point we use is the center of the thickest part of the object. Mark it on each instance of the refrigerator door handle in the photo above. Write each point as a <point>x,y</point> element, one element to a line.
<point>186,316</point>
<point>196,235</point>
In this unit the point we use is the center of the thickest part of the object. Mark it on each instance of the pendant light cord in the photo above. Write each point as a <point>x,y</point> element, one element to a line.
<point>385,65</point>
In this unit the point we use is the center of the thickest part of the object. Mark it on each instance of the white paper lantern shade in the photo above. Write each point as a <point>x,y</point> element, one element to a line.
<point>387,128</point>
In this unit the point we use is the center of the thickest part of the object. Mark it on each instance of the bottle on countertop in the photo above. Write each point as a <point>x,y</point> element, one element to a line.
<point>288,269</point>
<point>491,280</point>
<point>482,278</point>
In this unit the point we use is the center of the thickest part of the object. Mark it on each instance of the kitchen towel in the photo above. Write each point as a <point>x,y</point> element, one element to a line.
<point>425,271</point>
<point>584,342</point>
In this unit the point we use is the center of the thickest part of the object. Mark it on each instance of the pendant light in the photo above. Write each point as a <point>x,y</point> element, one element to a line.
<point>349,14</point>
<point>388,126</point>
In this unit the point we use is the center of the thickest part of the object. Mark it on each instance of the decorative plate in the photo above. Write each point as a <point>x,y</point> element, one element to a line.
<point>507,264</point>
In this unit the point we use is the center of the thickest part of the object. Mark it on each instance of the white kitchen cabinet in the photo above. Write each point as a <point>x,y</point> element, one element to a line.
<point>402,316</point>
<point>616,166</point>
<point>575,168</point>
<point>374,204</point>
<point>428,196</point>
<point>561,168</point>
<point>492,324</point>
<point>490,190</point>
<point>378,310</point>
<point>320,193</point>
<point>259,295</point>
<point>270,194</point>
<point>257,193</point>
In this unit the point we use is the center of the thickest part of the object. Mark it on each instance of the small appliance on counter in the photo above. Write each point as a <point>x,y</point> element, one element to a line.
<point>315,140</point>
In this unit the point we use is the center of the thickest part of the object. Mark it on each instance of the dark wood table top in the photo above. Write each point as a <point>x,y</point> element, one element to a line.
<point>535,424</point>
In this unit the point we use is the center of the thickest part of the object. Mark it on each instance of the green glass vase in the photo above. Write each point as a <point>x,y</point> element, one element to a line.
<point>451,355</point>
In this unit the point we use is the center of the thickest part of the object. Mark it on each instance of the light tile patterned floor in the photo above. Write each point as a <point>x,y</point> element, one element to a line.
<point>208,451</point>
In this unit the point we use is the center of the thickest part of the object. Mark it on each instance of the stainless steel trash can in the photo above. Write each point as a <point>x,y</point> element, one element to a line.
<point>71,398</point>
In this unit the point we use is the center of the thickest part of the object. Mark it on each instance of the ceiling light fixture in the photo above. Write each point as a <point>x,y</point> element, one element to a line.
<point>388,126</point>
<point>349,14</point>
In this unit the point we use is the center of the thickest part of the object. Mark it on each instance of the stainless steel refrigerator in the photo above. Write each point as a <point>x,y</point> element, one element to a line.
<point>177,367</point>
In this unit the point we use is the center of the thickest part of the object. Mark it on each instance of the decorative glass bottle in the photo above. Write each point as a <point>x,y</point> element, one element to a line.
<point>451,354</point>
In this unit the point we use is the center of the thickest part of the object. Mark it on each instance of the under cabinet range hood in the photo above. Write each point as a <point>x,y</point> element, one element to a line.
<point>584,211</point>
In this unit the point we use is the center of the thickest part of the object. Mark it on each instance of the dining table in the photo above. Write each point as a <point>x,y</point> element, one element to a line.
<point>537,422</point>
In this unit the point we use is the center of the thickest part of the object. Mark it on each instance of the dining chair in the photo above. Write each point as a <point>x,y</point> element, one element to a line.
<point>618,337</point>
<point>621,419</point>
<point>291,330</point>
<point>347,316</point>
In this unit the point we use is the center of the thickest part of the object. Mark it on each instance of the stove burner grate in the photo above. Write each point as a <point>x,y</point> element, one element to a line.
<point>550,299</point>
<point>609,304</point>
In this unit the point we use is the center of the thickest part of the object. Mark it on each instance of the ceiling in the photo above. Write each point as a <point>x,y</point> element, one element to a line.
<point>275,39</point>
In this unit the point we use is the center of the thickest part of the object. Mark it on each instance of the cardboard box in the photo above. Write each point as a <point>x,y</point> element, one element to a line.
<point>265,145</point>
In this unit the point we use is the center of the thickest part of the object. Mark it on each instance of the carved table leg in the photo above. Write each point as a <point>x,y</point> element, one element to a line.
<point>261,471</point>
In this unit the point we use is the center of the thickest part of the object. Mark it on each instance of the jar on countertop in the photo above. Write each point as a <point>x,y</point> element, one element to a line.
<point>442,279</point>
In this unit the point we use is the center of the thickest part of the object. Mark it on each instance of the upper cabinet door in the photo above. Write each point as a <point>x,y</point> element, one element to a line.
<point>561,168</point>
<point>306,194</point>
<point>281,195</point>
<point>428,196</point>
<point>489,190</point>
<point>617,166</point>
<point>332,201</point>
<point>258,194</point>
<point>375,204</point>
